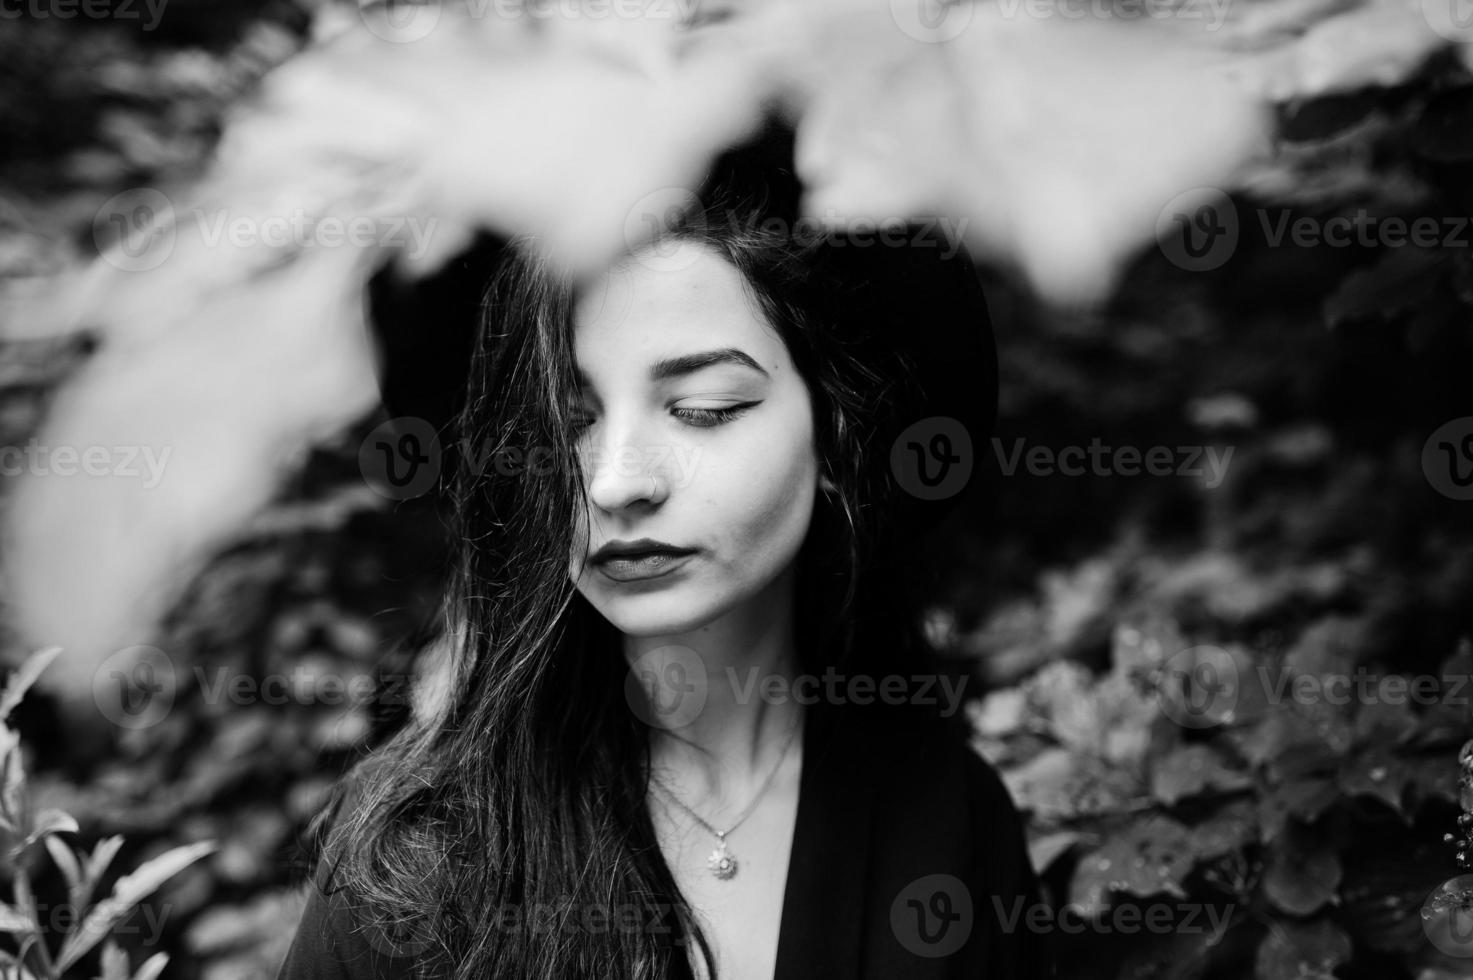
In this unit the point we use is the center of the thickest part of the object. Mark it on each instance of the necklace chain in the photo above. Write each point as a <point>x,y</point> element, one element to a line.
<point>722,864</point>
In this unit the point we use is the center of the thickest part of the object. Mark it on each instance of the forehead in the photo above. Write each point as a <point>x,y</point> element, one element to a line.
<point>651,305</point>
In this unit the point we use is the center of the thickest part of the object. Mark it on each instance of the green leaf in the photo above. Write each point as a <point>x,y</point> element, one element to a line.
<point>49,821</point>
<point>1302,873</point>
<point>1059,785</point>
<point>1177,954</point>
<point>1041,785</point>
<point>128,892</point>
<point>1043,851</point>
<point>1147,857</point>
<point>1305,799</point>
<point>1000,712</point>
<point>1433,777</point>
<point>1377,772</point>
<point>1290,743</point>
<point>1230,829</point>
<point>66,859</point>
<point>15,921</point>
<point>24,676</point>
<point>12,781</point>
<point>1384,723</point>
<point>114,961</point>
<point>98,862</point>
<point>1396,282</point>
<point>152,967</point>
<point>1292,951</point>
<point>1192,770</point>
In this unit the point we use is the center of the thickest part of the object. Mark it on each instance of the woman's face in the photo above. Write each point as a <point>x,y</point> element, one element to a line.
<point>685,381</point>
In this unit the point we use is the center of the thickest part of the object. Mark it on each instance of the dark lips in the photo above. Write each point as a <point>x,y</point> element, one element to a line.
<point>634,566</point>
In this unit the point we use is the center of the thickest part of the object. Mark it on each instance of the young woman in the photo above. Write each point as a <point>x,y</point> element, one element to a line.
<point>690,729</point>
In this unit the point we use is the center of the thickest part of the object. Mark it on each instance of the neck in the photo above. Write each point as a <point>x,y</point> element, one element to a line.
<point>722,753</point>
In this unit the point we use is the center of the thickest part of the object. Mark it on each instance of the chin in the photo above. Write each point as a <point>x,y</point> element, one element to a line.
<point>655,615</point>
<point>665,611</point>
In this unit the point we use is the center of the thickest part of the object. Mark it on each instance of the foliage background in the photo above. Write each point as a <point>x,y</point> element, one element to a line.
<point>1324,369</point>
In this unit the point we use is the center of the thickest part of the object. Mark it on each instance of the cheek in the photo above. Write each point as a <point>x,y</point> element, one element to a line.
<point>762,496</point>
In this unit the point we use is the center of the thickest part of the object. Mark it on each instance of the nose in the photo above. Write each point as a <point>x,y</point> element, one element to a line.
<point>622,472</point>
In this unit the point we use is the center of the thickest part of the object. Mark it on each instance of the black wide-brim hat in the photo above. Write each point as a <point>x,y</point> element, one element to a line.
<point>924,298</point>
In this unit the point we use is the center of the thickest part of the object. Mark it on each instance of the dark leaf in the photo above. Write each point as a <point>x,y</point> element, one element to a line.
<point>1191,770</point>
<point>1150,856</point>
<point>1303,872</point>
<point>1294,951</point>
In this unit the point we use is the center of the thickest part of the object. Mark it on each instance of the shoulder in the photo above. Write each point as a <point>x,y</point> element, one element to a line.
<point>922,755</point>
<point>939,806</point>
<point>946,834</point>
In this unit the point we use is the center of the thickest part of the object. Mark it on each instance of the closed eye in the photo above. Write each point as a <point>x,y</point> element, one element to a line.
<point>706,418</point>
<point>701,418</point>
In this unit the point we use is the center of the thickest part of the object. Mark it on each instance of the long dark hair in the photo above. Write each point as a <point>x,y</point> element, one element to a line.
<point>487,827</point>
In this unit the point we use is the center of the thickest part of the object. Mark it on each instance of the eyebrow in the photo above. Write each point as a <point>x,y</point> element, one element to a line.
<point>675,367</point>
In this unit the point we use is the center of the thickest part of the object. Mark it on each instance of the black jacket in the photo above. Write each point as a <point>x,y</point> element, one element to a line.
<point>908,860</point>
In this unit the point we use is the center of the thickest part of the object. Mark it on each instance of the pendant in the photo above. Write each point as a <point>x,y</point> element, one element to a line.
<point>722,864</point>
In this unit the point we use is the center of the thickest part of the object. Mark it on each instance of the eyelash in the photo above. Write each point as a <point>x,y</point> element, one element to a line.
<point>701,418</point>
<point>706,418</point>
